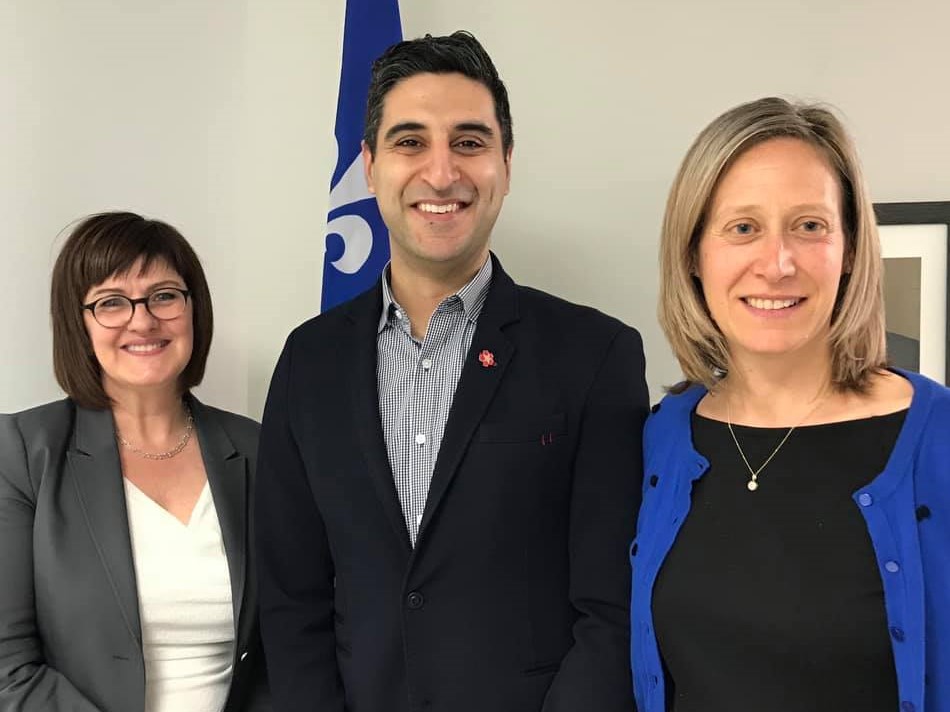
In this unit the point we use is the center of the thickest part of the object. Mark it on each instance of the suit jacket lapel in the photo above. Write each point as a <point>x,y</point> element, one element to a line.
<point>476,387</point>
<point>227,477</point>
<point>364,312</point>
<point>97,475</point>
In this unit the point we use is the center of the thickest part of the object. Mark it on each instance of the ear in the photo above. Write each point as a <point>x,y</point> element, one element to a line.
<point>508,155</point>
<point>367,166</point>
<point>694,268</point>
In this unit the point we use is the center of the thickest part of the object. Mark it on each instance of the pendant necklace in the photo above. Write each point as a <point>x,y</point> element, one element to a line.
<point>753,483</point>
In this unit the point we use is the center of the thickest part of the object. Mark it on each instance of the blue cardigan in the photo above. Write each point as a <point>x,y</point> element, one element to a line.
<point>907,512</point>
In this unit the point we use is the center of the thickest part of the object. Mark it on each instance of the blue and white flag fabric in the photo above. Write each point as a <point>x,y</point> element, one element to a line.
<point>357,242</point>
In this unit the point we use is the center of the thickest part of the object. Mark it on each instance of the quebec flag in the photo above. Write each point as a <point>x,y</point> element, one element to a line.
<point>357,242</point>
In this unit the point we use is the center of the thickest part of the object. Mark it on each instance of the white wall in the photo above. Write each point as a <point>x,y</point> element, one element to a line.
<point>218,117</point>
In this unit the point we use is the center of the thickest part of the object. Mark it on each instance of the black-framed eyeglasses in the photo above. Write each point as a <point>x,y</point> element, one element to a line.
<point>115,310</point>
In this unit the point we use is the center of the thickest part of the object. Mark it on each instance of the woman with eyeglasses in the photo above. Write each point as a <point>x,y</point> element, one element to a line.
<point>125,527</point>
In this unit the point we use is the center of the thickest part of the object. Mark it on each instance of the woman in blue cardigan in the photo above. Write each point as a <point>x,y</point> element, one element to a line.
<point>793,546</point>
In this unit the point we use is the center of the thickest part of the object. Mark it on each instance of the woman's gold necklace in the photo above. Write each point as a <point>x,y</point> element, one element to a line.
<point>168,454</point>
<point>753,483</point>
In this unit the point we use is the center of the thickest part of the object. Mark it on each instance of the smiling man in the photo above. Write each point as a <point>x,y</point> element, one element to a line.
<point>450,463</point>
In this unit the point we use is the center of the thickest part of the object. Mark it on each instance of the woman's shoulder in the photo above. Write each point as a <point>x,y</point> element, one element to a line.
<point>47,419</point>
<point>678,403</point>
<point>239,427</point>
<point>670,418</point>
<point>46,410</point>
<point>920,393</point>
<point>36,435</point>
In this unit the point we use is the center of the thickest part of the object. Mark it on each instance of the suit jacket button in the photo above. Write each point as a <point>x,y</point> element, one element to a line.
<point>415,600</point>
<point>243,655</point>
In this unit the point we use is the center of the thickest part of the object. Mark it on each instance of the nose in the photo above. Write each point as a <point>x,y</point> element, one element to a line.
<point>441,170</point>
<point>776,259</point>
<point>142,319</point>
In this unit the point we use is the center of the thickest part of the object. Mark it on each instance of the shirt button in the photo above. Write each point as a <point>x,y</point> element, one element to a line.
<point>426,364</point>
<point>865,500</point>
<point>892,567</point>
<point>415,600</point>
<point>897,634</point>
<point>420,439</point>
<point>398,314</point>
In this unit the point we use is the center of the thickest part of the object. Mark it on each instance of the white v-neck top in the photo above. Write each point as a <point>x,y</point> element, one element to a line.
<point>184,592</point>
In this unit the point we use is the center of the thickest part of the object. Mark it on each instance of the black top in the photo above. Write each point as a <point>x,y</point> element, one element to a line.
<point>772,600</point>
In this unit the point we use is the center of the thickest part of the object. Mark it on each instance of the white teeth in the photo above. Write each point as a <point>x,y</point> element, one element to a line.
<point>145,348</point>
<point>432,208</point>
<point>771,304</point>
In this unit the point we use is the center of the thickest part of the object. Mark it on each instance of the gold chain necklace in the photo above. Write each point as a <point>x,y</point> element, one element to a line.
<point>753,483</point>
<point>168,454</point>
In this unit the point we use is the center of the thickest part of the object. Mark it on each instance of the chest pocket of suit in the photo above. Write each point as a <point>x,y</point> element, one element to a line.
<point>545,430</point>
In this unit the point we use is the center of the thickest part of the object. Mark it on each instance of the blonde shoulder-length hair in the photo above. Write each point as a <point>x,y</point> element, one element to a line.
<point>857,322</point>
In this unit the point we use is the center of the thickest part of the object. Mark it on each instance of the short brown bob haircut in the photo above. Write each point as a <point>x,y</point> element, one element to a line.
<point>857,322</point>
<point>98,247</point>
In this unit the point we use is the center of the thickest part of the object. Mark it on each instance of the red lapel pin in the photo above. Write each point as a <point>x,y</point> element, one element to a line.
<point>487,359</point>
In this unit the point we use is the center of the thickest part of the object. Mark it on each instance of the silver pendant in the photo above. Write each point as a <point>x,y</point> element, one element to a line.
<point>752,485</point>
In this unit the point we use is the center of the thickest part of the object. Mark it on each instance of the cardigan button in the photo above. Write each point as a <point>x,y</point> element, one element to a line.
<point>892,567</point>
<point>922,512</point>
<point>908,706</point>
<point>865,500</point>
<point>897,634</point>
<point>653,480</point>
<point>415,600</point>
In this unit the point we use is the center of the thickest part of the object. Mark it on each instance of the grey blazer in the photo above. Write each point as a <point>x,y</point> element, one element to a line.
<point>70,635</point>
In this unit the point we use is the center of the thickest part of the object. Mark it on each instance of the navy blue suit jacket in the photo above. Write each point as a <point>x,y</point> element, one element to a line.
<point>515,597</point>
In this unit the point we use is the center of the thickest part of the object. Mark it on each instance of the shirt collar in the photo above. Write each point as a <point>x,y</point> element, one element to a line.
<point>472,295</point>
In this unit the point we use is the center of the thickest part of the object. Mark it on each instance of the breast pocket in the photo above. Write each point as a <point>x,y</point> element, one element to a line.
<point>545,430</point>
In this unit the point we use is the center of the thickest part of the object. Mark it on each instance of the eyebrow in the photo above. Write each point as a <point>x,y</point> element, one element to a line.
<point>475,126</point>
<point>470,126</point>
<point>149,289</point>
<point>807,207</point>
<point>812,207</point>
<point>402,127</point>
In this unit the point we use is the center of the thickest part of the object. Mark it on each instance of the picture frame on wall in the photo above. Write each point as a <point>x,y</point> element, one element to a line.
<point>915,245</point>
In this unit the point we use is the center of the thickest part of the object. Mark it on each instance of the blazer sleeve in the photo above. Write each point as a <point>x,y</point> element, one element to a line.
<point>296,574</point>
<point>608,474</point>
<point>27,683</point>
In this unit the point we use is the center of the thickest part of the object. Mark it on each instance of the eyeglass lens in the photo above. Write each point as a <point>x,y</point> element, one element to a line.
<point>118,310</point>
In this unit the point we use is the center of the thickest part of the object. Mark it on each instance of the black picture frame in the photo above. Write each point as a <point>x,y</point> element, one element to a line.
<point>922,213</point>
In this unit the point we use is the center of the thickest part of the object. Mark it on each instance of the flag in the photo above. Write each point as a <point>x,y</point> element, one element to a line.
<point>357,242</point>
